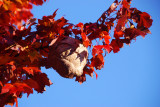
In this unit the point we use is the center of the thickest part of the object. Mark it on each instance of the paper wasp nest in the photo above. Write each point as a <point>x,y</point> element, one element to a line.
<point>68,57</point>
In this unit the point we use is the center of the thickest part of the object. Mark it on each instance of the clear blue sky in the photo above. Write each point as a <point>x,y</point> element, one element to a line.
<point>130,78</point>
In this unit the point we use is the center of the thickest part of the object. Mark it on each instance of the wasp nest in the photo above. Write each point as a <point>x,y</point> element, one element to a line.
<point>68,57</point>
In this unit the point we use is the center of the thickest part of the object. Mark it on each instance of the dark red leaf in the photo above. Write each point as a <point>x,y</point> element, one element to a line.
<point>97,61</point>
<point>32,83</point>
<point>121,23</point>
<point>145,20</point>
<point>131,33</point>
<point>81,79</point>
<point>42,80</point>
<point>116,45</point>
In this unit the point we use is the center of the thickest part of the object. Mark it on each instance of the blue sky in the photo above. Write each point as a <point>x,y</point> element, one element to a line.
<point>130,78</point>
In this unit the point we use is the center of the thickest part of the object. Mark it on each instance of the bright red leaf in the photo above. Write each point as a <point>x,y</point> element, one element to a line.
<point>85,39</point>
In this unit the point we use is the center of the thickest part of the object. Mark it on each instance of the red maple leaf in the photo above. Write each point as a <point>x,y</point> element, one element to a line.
<point>85,39</point>
<point>97,61</point>
<point>116,45</point>
<point>145,20</point>
<point>81,79</point>
<point>31,70</point>
<point>121,23</point>
<point>119,34</point>
<point>106,36</point>
<point>98,49</point>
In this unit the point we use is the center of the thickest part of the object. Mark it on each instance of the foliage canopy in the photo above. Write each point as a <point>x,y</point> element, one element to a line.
<point>24,51</point>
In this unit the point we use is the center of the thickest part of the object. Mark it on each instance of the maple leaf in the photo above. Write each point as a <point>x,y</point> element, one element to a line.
<point>131,33</point>
<point>121,23</point>
<point>21,87</point>
<point>81,79</point>
<point>125,4</point>
<point>4,59</point>
<point>6,88</point>
<point>97,61</point>
<point>106,36</point>
<point>80,25</point>
<point>31,70</point>
<point>42,80</point>
<point>145,20</point>
<point>16,88</point>
<point>33,84</point>
<point>76,31</point>
<point>116,45</point>
<point>88,71</point>
<point>85,39</point>
<point>119,34</point>
<point>98,49</point>
<point>92,70</point>
<point>34,55</point>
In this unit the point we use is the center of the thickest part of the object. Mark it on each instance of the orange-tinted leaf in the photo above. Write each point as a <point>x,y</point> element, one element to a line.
<point>108,48</point>
<point>13,67</point>
<point>61,31</point>
<point>106,37</point>
<point>96,74</point>
<point>125,4</point>
<point>119,34</point>
<point>6,88</point>
<point>85,39</point>
<point>34,55</point>
<point>17,89</point>
<point>21,87</point>
<point>97,50</point>
<point>80,25</point>
<point>31,70</point>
